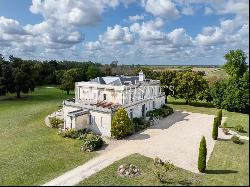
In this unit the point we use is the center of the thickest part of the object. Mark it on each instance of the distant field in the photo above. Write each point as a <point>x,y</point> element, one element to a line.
<point>32,153</point>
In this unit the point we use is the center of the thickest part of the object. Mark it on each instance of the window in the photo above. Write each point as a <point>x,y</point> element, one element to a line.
<point>91,119</point>
<point>132,97</point>
<point>101,121</point>
<point>104,96</point>
<point>131,113</point>
<point>153,105</point>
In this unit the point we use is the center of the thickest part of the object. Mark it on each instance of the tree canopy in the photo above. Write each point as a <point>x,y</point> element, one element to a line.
<point>235,63</point>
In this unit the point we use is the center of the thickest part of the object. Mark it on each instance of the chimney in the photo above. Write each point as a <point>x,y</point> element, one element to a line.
<point>141,76</point>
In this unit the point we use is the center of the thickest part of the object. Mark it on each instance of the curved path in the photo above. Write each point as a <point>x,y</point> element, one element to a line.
<point>175,138</point>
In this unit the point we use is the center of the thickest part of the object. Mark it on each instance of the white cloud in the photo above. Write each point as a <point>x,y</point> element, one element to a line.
<point>117,35</point>
<point>179,38</point>
<point>162,8</point>
<point>210,36</point>
<point>136,18</point>
<point>10,26</point>
<point>187,10</point>
<point>77,12</point>
<point>148,31</point>
<point>208,11</point>
<point>93,45</point>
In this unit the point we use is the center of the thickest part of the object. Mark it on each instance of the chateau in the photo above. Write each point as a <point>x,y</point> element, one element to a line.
<point>97,100</point>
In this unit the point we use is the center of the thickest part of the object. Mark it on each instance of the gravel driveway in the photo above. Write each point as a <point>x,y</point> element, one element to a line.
<point>175,138</point>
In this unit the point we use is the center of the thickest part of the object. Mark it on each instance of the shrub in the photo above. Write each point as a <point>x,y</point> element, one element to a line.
<point>140,124</point>
<point>164,111</point>
<point>91,142</point>
<point>219,115</point>
<point>224,125</point>
<point>236,139</point>
<point>72,133</point>
<point>56,122</point>
<point>202,155</point>
<point>239,128</point>
<point>225,131</point>
<point>215,129</point>
<point>121,124</point>
<point>166,172</point>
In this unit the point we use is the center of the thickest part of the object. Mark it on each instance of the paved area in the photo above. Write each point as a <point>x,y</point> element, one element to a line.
<point>175,138</point>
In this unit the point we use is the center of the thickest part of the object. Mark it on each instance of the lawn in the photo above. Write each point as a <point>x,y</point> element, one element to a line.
<point>109,177</point>
<point>32,153</point>
<point>228,164</point>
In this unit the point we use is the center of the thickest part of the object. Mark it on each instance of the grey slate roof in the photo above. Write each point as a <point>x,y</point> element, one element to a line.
<point>116,81</point>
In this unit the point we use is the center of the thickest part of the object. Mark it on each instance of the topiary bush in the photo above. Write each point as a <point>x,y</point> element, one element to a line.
<point>202,155</point>
<point>236,139</point>
<point>91,142</point>
<point>219,116</point>
<point>239,128</point>
<point>215,129</point>
<point>121,124</point>
<point>56,122</point>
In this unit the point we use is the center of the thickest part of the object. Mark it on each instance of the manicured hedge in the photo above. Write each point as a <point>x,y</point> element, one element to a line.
<point>140,124</point>
<point>164,111</point>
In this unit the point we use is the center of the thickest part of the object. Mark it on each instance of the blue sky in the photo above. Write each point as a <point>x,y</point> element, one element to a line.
<point>131,31</point>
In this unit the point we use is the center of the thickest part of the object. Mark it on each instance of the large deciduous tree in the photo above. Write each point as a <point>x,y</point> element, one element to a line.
<point>23,76</point>
<point>166,79</point>
<point>233,94</point>
<point>235,63</point>
<point>69,77</point>
<point>93,72</point>
<point>189,86</point>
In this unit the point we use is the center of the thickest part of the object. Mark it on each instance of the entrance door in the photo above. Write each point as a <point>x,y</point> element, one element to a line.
<point>143,110</point>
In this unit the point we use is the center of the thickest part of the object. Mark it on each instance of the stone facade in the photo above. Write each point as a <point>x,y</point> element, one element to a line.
<point>97,100</point>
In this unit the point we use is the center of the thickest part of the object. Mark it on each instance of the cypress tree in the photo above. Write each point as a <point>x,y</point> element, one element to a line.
<point>202,155</point>
<point>219,115</point>
<point>215,128</point>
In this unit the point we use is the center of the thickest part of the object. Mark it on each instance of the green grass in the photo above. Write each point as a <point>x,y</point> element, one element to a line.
<point>218,72</point>
<point>228,164</point>
<point>233,118</point>
<point>32,153</point>
<point>109,177</point>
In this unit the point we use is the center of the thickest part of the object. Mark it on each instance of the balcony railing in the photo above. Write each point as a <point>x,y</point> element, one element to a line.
<point>86,106</point>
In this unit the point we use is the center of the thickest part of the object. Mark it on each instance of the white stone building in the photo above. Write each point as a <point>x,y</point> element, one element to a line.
<point>97,100</point>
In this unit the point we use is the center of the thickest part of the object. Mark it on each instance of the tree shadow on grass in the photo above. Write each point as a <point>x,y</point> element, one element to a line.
<point>224,140</point>
<point>195,104</point>
<point>220,171</point>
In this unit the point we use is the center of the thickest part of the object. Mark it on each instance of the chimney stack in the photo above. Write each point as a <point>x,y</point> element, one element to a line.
<point>141,76</point>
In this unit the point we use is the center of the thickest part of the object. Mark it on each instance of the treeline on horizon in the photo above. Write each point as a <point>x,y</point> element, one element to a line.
<point>22,76</point>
